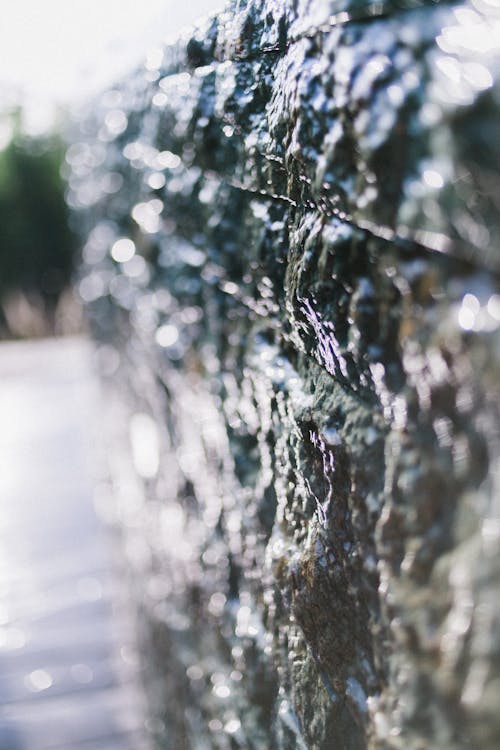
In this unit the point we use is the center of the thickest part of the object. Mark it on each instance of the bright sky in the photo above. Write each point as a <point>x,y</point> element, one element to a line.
<point>58,51</point>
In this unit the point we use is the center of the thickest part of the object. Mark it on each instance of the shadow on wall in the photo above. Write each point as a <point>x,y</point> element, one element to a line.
<point>37,251</point>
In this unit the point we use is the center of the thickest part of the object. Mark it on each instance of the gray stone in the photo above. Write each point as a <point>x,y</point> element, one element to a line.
<point>303,340</point>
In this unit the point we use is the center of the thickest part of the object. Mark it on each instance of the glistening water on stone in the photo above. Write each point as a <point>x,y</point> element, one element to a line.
<point>291,270</point>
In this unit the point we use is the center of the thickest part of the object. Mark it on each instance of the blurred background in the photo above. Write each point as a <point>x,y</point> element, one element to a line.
<point>53,57</point>
<point>68,673</point>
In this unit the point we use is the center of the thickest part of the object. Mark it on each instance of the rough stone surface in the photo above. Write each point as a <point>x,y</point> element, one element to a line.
<point>303,344</point>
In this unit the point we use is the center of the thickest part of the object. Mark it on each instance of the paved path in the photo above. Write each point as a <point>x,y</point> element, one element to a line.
<point>66,671</point>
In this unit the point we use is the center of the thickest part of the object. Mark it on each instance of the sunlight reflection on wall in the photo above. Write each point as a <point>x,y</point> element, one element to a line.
<point>297,273</point>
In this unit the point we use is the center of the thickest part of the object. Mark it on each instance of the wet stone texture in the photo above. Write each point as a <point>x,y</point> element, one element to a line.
<point>291,267</point>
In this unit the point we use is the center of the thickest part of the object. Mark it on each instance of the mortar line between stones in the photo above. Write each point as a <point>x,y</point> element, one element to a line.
<point>342,18</point>
<point>426,240</point>
<point>401,235</point>
<point>337,20</point>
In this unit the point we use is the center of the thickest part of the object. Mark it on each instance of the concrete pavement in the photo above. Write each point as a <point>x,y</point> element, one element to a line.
<point>67,670</point>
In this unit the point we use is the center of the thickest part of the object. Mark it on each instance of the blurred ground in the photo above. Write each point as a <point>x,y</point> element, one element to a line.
<point>67,677</point>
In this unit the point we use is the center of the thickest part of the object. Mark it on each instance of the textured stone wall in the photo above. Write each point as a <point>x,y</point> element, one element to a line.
<point>291,265</point>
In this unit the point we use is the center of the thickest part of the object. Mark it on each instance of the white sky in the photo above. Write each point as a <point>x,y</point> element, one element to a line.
<point>58,51</point>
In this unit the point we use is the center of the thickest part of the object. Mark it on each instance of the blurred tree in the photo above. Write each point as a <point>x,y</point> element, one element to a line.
<point>37,248</point>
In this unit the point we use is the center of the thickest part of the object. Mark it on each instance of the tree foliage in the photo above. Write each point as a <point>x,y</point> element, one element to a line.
<point>37,247</point>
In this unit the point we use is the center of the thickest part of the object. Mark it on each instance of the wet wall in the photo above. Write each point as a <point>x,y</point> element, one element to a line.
<point>291,270</point>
